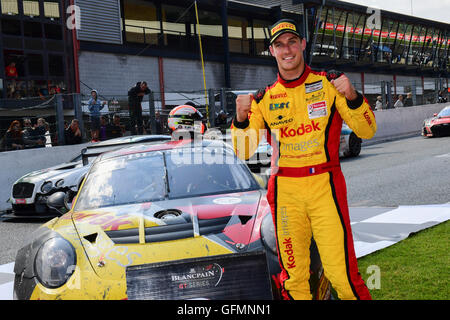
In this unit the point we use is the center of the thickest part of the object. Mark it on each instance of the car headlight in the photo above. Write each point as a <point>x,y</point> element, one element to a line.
<point>46,187</point>
<point>268,234</point>
<point>55,262</point>
<point>59,183</point>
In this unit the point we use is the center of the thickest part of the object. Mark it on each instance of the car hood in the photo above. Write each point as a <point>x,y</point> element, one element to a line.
<point>71,177</point>
<point>49,173</point>
<point>440,120</point>
<point>143,233</point>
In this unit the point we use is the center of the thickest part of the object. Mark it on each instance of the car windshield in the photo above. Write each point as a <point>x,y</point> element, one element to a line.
<point>155,176</point>
<point>444,113</point>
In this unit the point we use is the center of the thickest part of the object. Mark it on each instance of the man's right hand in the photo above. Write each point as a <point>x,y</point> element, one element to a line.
<point>243,106</point>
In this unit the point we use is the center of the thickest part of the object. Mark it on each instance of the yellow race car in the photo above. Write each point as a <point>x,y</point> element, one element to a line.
<point>173,220</point>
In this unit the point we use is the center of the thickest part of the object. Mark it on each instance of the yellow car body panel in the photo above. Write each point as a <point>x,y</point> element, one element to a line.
<point>101,265</point>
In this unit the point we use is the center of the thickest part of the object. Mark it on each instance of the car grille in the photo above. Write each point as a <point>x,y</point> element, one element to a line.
<point>169,232</point>
<point>441,129</point>
<point>23,190</point>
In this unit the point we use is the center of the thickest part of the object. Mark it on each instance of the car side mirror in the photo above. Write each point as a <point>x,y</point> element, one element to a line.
<point>57,201</point>
<point>434,114</point>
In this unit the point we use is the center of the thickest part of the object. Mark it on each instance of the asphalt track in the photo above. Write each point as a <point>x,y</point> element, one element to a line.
<point>412,171</point>
<point>407,172</point>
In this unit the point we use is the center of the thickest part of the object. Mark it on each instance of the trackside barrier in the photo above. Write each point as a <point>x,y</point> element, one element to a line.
<point>391,123</point>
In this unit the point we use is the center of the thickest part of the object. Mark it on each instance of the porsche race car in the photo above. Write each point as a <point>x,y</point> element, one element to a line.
<point>160,221</point>
<point>438,125</point>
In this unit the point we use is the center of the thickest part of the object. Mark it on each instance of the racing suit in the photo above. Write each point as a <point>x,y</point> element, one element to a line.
<point>307,191</point>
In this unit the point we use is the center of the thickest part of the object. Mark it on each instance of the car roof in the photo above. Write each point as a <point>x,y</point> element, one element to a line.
<point>161,146</point>
<point>128,140</point>
<point>117,143</point>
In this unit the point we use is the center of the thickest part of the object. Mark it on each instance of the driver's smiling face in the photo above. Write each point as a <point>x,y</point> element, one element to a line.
<point>287,49</point>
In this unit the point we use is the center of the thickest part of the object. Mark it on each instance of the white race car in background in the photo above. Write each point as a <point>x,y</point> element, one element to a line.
<point>30,192</point>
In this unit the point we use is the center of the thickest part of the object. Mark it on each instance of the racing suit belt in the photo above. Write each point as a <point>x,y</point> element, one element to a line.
<point>308,170</point>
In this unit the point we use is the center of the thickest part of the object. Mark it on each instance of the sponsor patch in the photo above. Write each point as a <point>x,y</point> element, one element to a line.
<point>281,121</point>
<point>279,106</point>
<point>308,155</point>
<point>289,250</point>
<point>278,95</point>
<point>317,110</point>
<point>367,117</point>
<point>314,97</point>
<point>282,26</point>
<point>312,87</point>
<point>301,130</point>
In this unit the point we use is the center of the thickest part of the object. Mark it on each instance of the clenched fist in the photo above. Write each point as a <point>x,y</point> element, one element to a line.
<point>243,105</point>
<point>345,87</point>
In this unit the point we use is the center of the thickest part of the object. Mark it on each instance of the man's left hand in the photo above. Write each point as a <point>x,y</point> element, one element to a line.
<point>345,87</point>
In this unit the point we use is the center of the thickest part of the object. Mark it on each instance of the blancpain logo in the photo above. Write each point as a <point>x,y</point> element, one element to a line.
<point>209,272</point>
<point>190,276</point>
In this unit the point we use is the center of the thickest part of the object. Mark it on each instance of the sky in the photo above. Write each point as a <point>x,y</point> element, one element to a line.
<point>438,10</point>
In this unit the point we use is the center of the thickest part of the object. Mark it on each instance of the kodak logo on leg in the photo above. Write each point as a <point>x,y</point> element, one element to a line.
<point>290,252</point>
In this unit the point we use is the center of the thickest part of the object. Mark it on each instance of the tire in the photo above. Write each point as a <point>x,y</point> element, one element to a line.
<point>354,145</point>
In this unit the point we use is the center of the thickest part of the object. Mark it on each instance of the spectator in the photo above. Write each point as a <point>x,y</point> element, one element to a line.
<point>408,100</point>
<point>39,131</point>
<point>13,139</point>
<point>73,133</point>
<point>29,135</point>
<point>115,130</point>
<point>48,139</point>
<point>103,128</point>
<point>158,123</point>
<point>135,96</point>
<point>399,102</point>
<point>116,122</point>
<point>11,71</point>
<point>441,98</point>
<point>94,107</point>
<point>11,90</point>
<point>379,103</point>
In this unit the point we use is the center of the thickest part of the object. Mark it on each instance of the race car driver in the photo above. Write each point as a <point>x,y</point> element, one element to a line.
<point>303,113</point>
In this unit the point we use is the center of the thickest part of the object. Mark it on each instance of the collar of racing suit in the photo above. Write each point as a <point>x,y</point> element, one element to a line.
<point>295,82</point>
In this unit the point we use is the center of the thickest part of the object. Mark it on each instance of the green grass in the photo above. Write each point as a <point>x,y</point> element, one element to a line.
<point>417,268</point>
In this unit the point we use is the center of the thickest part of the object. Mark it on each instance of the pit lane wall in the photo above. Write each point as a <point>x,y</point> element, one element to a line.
<point>392,124</point>
<point>15,164</point>
<point>402,122</point>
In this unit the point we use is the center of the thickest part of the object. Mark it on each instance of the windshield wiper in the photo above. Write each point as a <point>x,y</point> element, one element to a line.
<point>166,176</point>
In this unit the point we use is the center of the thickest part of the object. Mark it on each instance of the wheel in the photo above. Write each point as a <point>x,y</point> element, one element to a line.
<point>354,144</point>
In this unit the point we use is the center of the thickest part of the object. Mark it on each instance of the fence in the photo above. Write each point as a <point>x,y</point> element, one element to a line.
<point>217,106</point>
<point>419,92</point>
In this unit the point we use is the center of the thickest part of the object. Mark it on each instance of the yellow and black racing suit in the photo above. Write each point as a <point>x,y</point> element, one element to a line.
<point>307,191</point>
